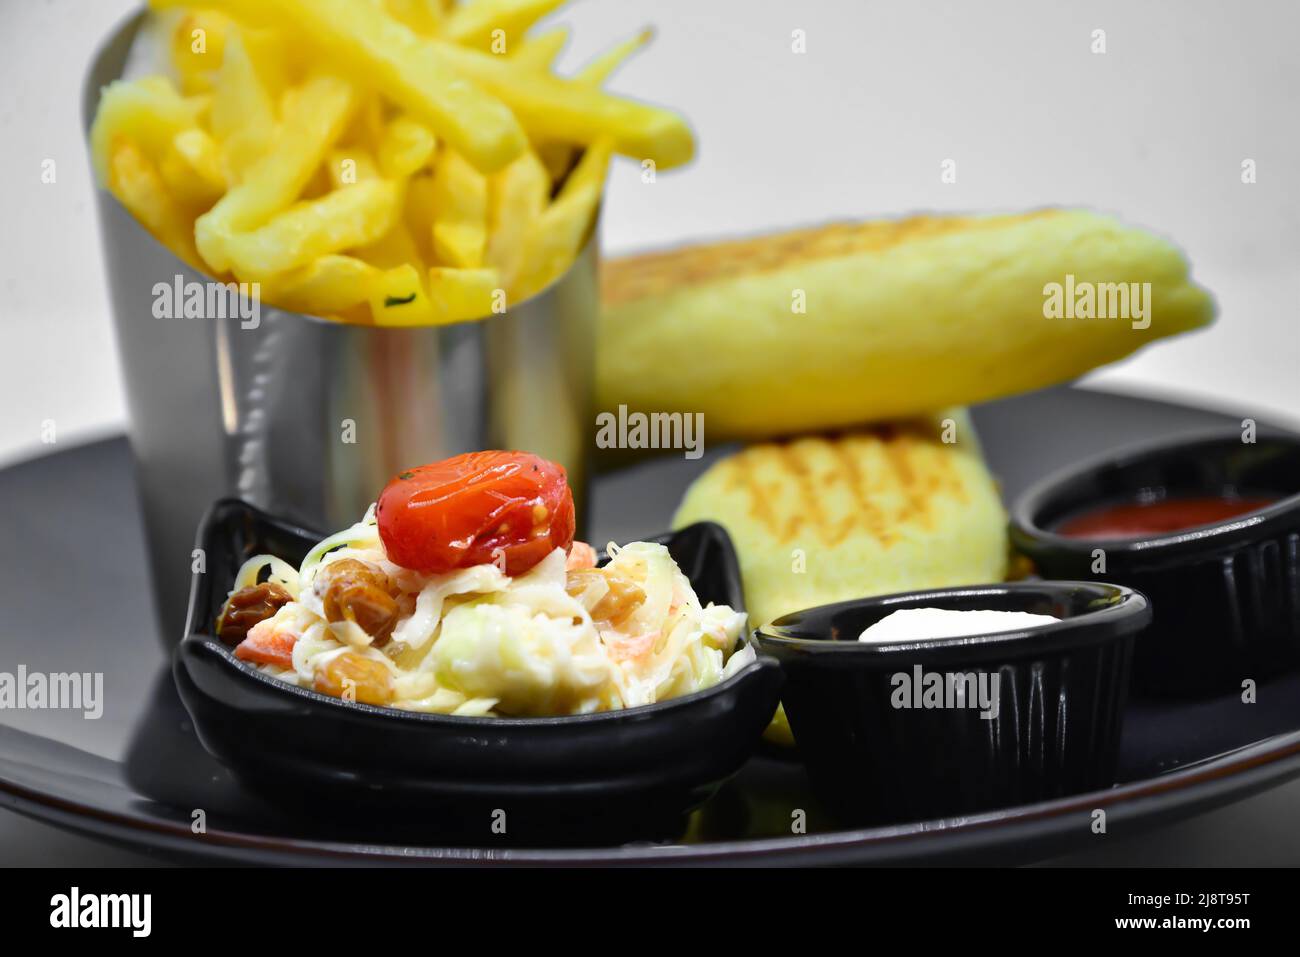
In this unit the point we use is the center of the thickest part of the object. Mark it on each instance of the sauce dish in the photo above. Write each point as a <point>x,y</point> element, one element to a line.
<point>927,728</point>
<point>1226,595</point>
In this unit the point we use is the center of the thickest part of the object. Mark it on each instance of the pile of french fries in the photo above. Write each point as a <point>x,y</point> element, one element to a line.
<point>397,162</point>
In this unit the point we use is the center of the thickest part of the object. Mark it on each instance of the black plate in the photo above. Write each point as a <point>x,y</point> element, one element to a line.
<point>139,776</point>
<point>612,775</point>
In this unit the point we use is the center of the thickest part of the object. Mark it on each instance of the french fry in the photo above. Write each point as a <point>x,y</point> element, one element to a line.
<point>460,205</point>
<point>349,165</point>
<point>426,77</point>
<point>417,213</point>
<point>600,69</point>
<point>348,217</point>
<point>191,169</point>
<point>370,123</point>
<point>327,285</point>
<point>279,62</point>
<point>559,156</point>
<point>248,12</point>
<point>540,52</point>
<point>553,242</point>
<point>136,183</point>
<point>458,295</point>
<point>518,194</point>
<point>419,193</point>
<point>318,183</point>
<point>373,44</point>
<point>242,115</point>
<point>314,116</point>
<point>202,153</point>
<point>393,248</point>
<point>398,298</point>
<point>475,24</point>
<point>553,108</point>
<point>425,17</point>
<point>591,172</point>
<point>198,42</point>
<point>405,146</point>
<point>557,235</point>
<point>149,112</point>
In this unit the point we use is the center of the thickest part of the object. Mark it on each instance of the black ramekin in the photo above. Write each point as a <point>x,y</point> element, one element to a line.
<point>1062,690</point>
<point>606,777</point>
<point>1226,597</point>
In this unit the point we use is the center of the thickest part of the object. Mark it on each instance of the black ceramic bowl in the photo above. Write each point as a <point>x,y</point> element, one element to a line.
<point>599,777</point>
<point>1061,690</point>
<point>1226,596</point>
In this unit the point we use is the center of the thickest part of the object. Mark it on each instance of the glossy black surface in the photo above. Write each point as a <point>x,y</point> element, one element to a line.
<point>1226,596</point>
<point>138,776</point>
<point>609,776</point>
<point>1047,724</point>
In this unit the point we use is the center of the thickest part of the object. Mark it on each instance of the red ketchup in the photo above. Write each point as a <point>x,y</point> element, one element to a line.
<point>1158,517</point>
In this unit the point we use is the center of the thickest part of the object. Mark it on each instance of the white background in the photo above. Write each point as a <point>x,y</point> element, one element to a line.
<point>1154,130</point>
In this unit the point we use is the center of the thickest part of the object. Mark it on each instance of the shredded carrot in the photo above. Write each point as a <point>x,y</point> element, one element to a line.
<point>581,555</point>
<point>266,646</point>
<point>631,647</point>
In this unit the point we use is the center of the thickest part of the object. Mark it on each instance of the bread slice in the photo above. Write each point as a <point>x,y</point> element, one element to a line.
<point>862,322</point>
<point>826,518</point>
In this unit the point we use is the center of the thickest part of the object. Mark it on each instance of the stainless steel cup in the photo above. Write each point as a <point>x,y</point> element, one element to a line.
<point>309,418</point>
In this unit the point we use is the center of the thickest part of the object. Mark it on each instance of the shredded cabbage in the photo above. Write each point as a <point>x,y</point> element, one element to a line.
<point>477,642</point>
<point>363,535</point>
<point>282,573</point>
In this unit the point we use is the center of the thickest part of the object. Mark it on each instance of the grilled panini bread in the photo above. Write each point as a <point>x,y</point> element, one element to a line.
<point>899,318</point>
<point>827,518</point>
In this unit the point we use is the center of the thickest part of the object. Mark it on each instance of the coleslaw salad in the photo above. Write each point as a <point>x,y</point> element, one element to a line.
<point>562,638</point>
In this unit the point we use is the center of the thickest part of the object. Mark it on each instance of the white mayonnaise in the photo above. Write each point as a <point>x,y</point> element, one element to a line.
<point>921,624</point>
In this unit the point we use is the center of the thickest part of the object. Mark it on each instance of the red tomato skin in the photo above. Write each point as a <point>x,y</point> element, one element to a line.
<point>475,509</point>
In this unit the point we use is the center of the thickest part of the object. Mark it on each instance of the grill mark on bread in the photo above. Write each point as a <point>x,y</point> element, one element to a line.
<point>898,455</point>
<point>634,277</point>
<point>740,479</point>
<point>870,514</point>
<point>922,474</point>
<point>789,460</point>
<point>852,476</point>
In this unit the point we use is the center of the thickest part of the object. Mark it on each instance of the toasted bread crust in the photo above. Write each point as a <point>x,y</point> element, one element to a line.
<point>649,274</point>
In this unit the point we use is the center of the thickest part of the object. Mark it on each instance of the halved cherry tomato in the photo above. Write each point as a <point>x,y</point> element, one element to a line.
<point>476,509</point>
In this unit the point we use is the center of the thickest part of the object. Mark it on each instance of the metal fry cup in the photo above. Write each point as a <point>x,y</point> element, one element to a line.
<point>307,418</point>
